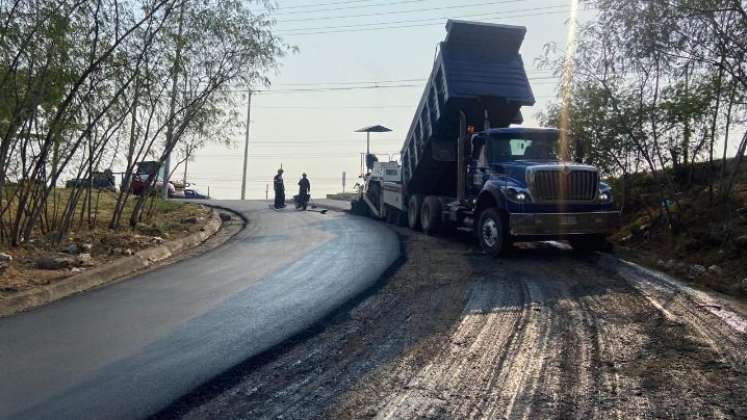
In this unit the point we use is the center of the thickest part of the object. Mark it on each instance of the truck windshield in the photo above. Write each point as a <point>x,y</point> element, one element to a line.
<point>526,146</point>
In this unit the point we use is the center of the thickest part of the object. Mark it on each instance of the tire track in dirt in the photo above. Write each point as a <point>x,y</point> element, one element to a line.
<point>541,334</point>
<point>500,373</point>
<point>691,363</point>
<point>603,326</point>
<point>489,317</point>
<point>681,303</point>
<point>612,309</point>
<point>520,364</point>
<point>565,372</point>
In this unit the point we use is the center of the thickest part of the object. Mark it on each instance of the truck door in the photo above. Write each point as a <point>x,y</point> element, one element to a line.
<point>478,169</point>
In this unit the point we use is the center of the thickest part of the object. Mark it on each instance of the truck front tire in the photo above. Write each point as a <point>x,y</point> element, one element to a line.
<point>430,215</point>
<point>413,212</point>
<point>491,232</point>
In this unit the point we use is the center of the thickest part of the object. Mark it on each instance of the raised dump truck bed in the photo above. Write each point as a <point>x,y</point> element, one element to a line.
<point>463,167</point>
<point>478,70</point>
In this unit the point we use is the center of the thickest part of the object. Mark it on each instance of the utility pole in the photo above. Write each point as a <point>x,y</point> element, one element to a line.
<point>246,141</point>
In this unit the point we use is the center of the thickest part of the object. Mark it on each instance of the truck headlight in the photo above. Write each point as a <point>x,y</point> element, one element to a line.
<point>605,197</point>
<point>517,196</point>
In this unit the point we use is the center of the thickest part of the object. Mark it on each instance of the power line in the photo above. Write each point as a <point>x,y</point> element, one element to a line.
<point>351,82</point>
<point>351,156</point>
<point>317,141</point>
<point>505,13</point>
<point>338,107</point>
<point>359,6</point>
<point>354,107</point>
<point>532,76</point>
<point>400,12</point>
<point>414,26</point>
<point>346,88</point>
<point>364,87</point>
<point>325,4</point>
<point>280,10</point>
<point>271,150</point>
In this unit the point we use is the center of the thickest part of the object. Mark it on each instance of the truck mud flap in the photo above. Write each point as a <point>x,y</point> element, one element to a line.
<point>372,208</point>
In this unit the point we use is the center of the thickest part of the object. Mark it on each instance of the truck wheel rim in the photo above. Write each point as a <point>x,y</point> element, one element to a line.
<point>490,232</point>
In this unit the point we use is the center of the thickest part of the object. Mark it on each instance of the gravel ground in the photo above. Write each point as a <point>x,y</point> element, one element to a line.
<point>544,333</point>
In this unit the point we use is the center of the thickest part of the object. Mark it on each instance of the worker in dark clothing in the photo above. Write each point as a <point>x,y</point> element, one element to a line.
<point>279,190</point>
<point>304,188</point>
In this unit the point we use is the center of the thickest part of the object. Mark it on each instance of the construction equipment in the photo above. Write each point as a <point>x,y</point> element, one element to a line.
<point>502,183</point>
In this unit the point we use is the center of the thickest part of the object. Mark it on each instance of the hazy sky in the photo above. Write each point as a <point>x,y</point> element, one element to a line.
<point>306,121</point>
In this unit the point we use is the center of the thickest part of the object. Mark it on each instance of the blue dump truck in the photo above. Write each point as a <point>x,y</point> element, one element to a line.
<point>504,183</point>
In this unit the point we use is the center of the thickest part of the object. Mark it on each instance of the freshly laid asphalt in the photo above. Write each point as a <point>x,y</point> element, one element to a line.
<point>130,349</point>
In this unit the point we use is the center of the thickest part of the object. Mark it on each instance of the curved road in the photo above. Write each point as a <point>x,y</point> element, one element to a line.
<point>129,349</point>
<point>540,334</point>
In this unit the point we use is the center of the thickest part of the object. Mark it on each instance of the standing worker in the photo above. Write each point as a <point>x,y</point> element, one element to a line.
<point>279,190</point>
<point>304,188</point>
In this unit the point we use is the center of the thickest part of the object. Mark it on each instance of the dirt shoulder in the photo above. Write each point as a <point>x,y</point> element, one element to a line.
<point>456,334</point>
<point>41,272</point>
<point>707,244</point>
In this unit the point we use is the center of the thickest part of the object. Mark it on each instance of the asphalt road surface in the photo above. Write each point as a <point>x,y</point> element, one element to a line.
<point>128,350</point>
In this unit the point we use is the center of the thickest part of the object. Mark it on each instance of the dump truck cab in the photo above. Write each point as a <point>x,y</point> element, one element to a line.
<point>517,172</point>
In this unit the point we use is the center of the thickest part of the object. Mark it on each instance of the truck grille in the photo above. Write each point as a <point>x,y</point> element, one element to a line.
<point>555,185</point>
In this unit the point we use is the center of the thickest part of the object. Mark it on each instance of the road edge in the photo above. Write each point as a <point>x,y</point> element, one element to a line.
<point>228,378</point>
<point>727,308</point>
<point>111,272</point>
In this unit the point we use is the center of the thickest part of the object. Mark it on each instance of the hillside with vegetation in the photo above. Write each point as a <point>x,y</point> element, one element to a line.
<point>709,246</point>
<point>655,94</point>
<point>90,242</point>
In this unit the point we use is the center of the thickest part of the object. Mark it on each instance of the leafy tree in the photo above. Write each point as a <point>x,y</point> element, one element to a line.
<point>89,82</point>
<point>657,85</point>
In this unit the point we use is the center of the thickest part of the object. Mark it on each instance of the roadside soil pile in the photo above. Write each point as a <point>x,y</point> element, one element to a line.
<point>42,261</point>
<point>543,333</point>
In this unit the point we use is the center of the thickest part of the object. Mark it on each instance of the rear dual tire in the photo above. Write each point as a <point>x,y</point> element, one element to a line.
<point>430,215</point>
<point>413,212</point>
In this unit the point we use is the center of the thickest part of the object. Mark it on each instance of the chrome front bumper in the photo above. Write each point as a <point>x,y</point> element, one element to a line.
<point>549,224</point>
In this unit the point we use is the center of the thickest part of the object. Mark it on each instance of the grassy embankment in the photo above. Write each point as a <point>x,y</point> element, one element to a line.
<point>163,220</point>
<point>706,229</point>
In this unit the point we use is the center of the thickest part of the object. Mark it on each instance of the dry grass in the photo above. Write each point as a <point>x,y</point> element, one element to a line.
<point>707,232</point>
<point>163,219</point>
